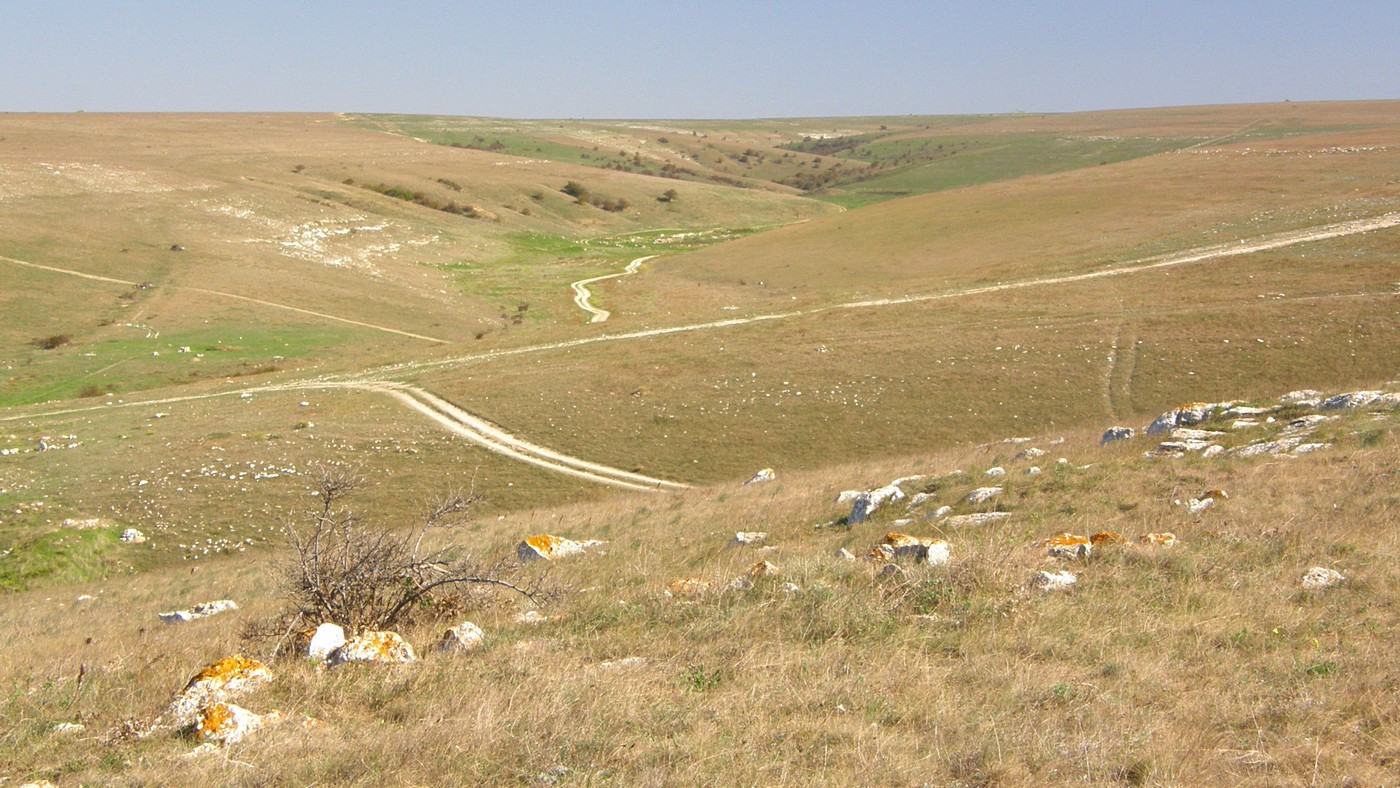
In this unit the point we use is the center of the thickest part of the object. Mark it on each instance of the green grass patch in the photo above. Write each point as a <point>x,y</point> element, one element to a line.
<point>57,558</point>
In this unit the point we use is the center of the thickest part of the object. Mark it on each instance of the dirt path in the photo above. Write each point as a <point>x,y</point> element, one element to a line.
<point>582,293</point>
<point>235,296</point>
<point>493,438</point>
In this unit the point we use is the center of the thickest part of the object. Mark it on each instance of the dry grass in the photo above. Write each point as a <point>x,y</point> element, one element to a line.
<point>1204,662</point>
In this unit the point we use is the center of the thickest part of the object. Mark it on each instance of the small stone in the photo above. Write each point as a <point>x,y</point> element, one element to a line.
<point>1034,470</point>
<point>867,503</point>
<point>983,494</point>
<point>532,617</point>
<point>325,641</point>
<point>1214,450</point>
<point>893,572</point>
<point>981,518</point>
<point>1300,395</point>
<point>897,546</point>
<point>1115,434</point>
<point>228,724</point>
<point>382,647</point>
<point>995,472</point>
<point>765,475</point>
<point>132,536</point>
<point>762,569</point>
<point>625,662</point>
<point>202,610</point>
<point>740,584</point>
<point>68,728</point>
<point>1053,581</point>
<point>687,588</point>
<point>790,588</point>
<point>845,555</point>
<point>743,538</point>
<point>920,498</point>
<point>1198,505</point>
<point>1029,453</point>
<point>941,512</point>
<point>1162,539</point>
<point>1320,577</point>
<point>466,636</point>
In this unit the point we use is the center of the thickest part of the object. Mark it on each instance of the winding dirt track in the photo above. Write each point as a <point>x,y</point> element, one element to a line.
<point>493,438</point>
<point>582,294</point>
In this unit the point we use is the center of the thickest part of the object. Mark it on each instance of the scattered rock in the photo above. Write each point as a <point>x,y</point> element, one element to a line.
<point>1308,448</point>
<point>1243,424</point>
<point>903,546</point>
<point>995,472</point>
<point>1053,581</point>
<point>1034,470</point>
<point>765,475</point>
<point>743,538</point>
<point>132,536</point>
<point>466,636</point>
<point>532,617</point>
<point>1067,545</point>
<point>1030,453</point>
<point>941,512</point>
<point>845,555</point>
<point>981,518</point>
<point>1185,416</point>
<point>740,584</point>
<point>544,547</point>
<point>386,647</point>
<point>1107,537</point>
<point>1213,451</point>
<point>762,569</point>
<point>868,502</point>
<point>920,498</point>
<point>325,641</point>
<point>68,728</point>
<point>1358,399</point>
<point>202,610</point>
<point>1188,434</point>
<point>1300,396</point>
<point>1320,577</point>
<point>687,588</point>
<point>625,662</point>
<point>790,588</point>
<point>85,522</point>
<point>227,724</point>
<point>983,494</point>
<point>1198,505</point>
<point>1162,539</point>
<point>220,682</point>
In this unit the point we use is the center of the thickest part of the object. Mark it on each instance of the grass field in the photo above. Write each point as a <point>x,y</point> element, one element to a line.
<point>198,312</point>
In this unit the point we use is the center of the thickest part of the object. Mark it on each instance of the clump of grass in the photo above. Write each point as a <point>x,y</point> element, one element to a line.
<point>52,342</point>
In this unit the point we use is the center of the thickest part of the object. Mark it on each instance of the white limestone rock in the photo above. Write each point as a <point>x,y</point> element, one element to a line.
<point>1320,577</point>
<point>464,637</point>
<point>132,536</point>
<point>867,503</point>
<point>544,547</point>
<point>221,681</point>
<point>202,610</point>
<point>995,472</point>
<point>1053,581</point>
<point>377,647</point>
<point>327,638</point>
<point>747,538</point>
<point>983,494</point>
<point>227,724</point>
<point>765,475</point>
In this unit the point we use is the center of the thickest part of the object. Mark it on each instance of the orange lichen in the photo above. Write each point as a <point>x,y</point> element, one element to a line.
<point>1068,545</point>
<point>1163,539</point>
<point>1107,537</point>
<point>214,721</point>
<point>231,669</point>
<point>543,543</point>
<point>1219,495</point>
<point>901,540</point>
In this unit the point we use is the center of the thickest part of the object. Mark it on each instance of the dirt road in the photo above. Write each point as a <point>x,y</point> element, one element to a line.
<point>582,293</point>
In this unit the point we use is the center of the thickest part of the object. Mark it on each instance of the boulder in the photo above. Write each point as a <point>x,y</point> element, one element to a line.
<point>1067,545</point>
<point>1354,399</point>
<point>221,681</point>
<point>202,610</point>
<point>544,547</point>
<point>466,636</point>
<point>225,723</point>
<point>744,538</point>
<point>325,641</point>
<point>765,475</point>
<point>995,472</point>
<point>983,494</point>
<point>1053,581</point>
<point>1320,577</point>
<point>920,499</point>
<point>385,647</point>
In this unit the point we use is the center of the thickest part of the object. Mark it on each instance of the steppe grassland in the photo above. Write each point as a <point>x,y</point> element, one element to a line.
<point>260,207</point>
<point>1200,663</point>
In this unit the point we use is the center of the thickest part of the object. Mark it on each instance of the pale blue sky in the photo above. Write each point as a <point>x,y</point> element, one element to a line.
<point>660,59</point>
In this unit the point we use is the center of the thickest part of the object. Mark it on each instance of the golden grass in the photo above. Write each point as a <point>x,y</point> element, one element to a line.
<point>1201,662</point>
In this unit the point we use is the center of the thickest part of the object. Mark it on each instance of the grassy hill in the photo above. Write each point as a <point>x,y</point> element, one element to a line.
<point>199,312</point>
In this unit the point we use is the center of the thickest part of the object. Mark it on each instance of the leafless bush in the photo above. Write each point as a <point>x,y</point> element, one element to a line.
<point>341,570</point>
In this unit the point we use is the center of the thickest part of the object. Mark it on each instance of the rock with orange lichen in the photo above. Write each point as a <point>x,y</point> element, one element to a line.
<point>385,647</point>
<point>1163,539</point>
<point>1106,538</point>
<point>226,723</point>
<point>221,681</point>
<point>687,588</point>
<point>1068,545</point>
<point>544,547</point>
<point>762,569</point>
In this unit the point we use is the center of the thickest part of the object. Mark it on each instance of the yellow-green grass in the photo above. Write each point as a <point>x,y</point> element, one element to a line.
<point>1205,662</point>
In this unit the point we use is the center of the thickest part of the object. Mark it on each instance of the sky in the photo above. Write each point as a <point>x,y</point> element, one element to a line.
<point>665,59</point>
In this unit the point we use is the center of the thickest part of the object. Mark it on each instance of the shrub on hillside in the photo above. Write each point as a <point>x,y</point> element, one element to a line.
<point>363,576</point>
<point>52,342</point>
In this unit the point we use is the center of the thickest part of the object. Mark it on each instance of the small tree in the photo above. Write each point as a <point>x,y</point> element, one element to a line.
<point>576,190</point>
<point>670,195</point>
<point>343,571</point>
